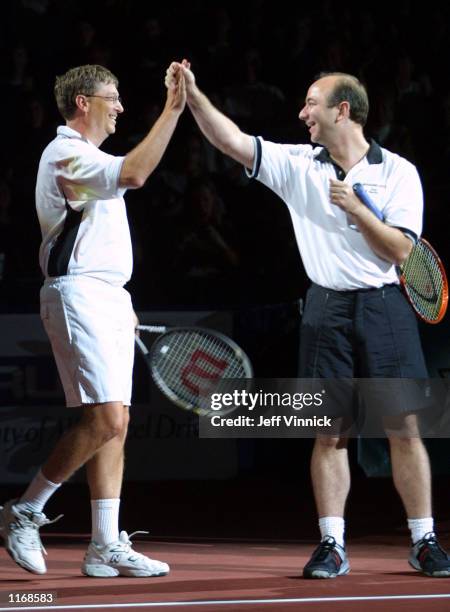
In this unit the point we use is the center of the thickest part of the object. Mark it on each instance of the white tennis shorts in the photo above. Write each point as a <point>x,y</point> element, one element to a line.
<point>90,324</point>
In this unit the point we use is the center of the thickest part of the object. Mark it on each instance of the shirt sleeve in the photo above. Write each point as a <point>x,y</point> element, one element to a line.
<point>280,166</point>
<point>85,174</point>
<point>404,208</point>
<point>253,173</point>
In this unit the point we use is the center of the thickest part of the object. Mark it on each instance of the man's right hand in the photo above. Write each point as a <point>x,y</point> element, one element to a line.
<point>218,129</point>
<point>176,87</point>
<point>188,75</point>
<point>183,69</point>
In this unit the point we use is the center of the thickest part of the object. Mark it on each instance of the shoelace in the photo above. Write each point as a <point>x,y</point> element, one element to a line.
<point>24,522</point>
<point>429,540</point>
<point>325,547</point>
<point>128,544</point>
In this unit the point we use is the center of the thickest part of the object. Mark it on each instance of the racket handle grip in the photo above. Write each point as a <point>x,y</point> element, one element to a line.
<point>367,201</point>
<point>153,329</point>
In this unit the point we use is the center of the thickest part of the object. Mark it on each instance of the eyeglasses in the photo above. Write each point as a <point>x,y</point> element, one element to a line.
<point>113,99</point>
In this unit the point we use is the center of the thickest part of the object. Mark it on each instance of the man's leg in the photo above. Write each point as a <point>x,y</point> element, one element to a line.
<point>21,520</point>
<point>105,474</point>
<point>105,467</point>
<point>412,478</point>
<point>410,466</point>
<point>108,554</point>
<point>326,351</point>
<point>330,475</point>
<point>99,425</point>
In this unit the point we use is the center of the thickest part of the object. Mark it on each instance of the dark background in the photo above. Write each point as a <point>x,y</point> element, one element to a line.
<point>255,60</point>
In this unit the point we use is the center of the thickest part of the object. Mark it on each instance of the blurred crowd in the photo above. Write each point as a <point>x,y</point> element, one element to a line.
<point>203,234</point>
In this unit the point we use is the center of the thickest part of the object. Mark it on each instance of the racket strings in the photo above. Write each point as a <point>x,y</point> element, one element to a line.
<point>182,346</point>
<point>424,281</point>
<point>189,363</point>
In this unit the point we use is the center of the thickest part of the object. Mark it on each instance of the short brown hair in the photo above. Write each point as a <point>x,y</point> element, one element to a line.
<point>80,80</point>
<point>349,89</point>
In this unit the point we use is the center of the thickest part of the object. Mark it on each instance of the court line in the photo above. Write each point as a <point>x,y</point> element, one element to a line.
<point>224,602</point>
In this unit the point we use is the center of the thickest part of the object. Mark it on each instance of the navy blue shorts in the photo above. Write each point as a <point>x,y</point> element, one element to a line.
<point>364,334</point>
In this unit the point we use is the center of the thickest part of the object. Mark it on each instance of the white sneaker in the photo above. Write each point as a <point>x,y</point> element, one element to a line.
<point>20,531</point>
<point>119,559</point>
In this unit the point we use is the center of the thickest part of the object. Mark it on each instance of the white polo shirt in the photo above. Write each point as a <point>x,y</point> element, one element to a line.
<point>334,255</point>
<point>82,212</point>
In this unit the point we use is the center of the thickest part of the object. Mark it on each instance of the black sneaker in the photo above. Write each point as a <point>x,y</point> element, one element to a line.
<point>429,558</point>
<point>328,561</point>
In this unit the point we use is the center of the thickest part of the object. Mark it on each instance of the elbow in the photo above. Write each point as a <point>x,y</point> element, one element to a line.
<point>137,182</point>
<point>132,182</point>
<point>403,253</point>
<point>399,260</point>
<point>132,175</point>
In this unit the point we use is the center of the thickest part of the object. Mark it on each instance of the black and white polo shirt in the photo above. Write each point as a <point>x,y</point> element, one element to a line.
<point>82,212</point>
<point>334,255</point>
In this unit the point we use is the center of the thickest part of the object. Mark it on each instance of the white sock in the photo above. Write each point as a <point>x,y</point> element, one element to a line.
<point>419,527</point>
<point>332,526</point>
<point>38,493</point>
<point>105,520</point>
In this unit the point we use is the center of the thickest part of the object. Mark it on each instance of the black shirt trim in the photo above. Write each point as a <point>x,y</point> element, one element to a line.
<point>61,251</point>
<point>374,156</point>
<point>258,153</point>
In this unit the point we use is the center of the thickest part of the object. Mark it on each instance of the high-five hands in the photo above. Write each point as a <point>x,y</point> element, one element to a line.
<point>178,70</point>
<point>176,87</point>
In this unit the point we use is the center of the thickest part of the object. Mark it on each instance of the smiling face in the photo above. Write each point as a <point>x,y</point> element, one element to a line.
<point>88,100</point>
<point>320,120</point>
<point>102,110</point>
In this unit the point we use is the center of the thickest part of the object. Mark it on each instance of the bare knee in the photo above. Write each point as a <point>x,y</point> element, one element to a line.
<point>402,430</point>
<point>107,421</point>
<point>324,443</point>
<point>406,443</point>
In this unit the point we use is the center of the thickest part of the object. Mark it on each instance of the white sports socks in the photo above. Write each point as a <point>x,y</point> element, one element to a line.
<point>105,520</point>
<point>38,493</point>
<point>419,527</point>
<point>333,526</point>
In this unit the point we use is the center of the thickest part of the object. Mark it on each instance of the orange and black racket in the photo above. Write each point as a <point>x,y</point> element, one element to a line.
<point>422,275</point>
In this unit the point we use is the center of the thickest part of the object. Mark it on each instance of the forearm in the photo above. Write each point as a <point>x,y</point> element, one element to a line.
<point>389,243</point>
<point>144,158</point>
<point>219,129</point>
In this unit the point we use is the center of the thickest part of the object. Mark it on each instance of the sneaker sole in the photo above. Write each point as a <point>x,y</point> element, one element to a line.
<point>99,571</point>
<point>437,574</point>
<point>106,571</point>
<point>323,574</point>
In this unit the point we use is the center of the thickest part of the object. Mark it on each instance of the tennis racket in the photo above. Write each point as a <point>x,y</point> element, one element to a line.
<point>188,364</point>
<point>422,275</point>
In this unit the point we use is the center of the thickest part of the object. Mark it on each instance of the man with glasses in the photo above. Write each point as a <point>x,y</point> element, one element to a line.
<point>86,258</point>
